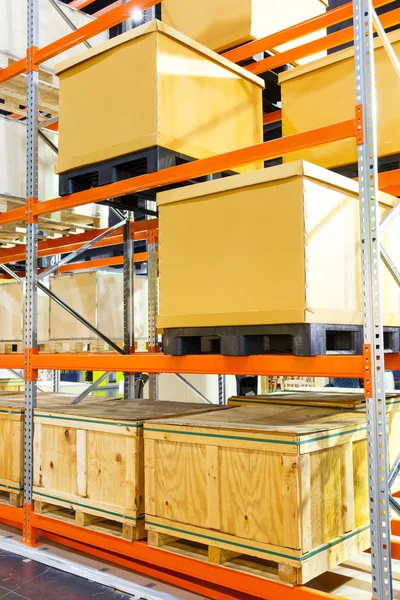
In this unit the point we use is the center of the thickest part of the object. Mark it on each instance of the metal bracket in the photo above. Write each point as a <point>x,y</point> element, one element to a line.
<point>48,142</point>
<point>67,20</point>
<point>395,273</point>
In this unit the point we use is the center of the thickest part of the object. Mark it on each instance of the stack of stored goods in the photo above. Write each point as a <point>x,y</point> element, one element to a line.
<point>98,297</point>
<point>12,440</point>
<point>171,73</point>
<point>12,316</point>
<point>323,93</point>
<point>306,233</point>
<point>223,24</point>
<point>277,483</point>
<point>89,462</point>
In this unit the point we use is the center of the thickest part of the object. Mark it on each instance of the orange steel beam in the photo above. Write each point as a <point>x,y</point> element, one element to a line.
<point>12,361</point>
<point>318,366</point>
<point>331,17</point>
<point>107,9</point>
<point>84,33</point>
<point>72,242</point>
<point>244,584</point>
<point>330,41</point>
<point>190,584</point>
<point>79,4</point>
<point>199,168</point>
<point>395,526</point>
<point>272,117</point>
<point>11,514</point>
<point>13,70</point>
<point>101,262</point>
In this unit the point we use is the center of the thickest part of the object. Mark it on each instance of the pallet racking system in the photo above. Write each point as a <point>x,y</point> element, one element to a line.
<point>203,578</point>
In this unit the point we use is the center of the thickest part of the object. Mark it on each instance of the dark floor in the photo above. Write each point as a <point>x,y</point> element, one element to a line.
<point>24,579</point>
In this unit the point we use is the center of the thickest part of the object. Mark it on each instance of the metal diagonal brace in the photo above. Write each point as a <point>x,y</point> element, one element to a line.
<point>92,387</point>
<point>394,471</point>
<point>395,273</point>
<point>392,214</point>
<point>386,42</point>
<point>80,318</point>
<point>67,20</point>
<point>21,376</point>
<point>48,142</point>
<point>48,122</point>
<point>11,272</point>
<point>80,250</point>
<point>192,387</point>
<point>394,504</point>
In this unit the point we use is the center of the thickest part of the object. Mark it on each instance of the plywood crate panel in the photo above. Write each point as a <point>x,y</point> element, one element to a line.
<point>90,459</point>
<point>277,483</point>
<point>12,440</point>
<point>51,27</point>
<point>223,24</point>
<point>12,313</point>
<point>174,72</point>
<point>306,234</point>
<point>323,93</point>
<point>335,400</point>
<point>97,296</point>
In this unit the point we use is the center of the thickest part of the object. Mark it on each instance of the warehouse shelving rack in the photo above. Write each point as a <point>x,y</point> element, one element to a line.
<point>210,580</point>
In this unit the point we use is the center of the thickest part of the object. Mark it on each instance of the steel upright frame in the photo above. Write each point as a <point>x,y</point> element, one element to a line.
<point>217,583</point>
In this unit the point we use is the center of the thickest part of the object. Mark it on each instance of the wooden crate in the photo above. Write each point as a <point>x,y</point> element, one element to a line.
<point>312,283</point>
<point>12,440</point>
<point>279,484</point>
<point>346,401</point>
<point>97,296</point>
<point>223,24</point>
<point>12,316</point>
<point>323,93</point>
<point>174,72</point>
<point>88,462</point>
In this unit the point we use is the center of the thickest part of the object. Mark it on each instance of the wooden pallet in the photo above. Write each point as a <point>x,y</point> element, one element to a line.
<point>11,346</point>
<point>89,519</point>
<point>13,92</point>
<point>11,497</point>
<point>254,564</point>
<point>77,346</point>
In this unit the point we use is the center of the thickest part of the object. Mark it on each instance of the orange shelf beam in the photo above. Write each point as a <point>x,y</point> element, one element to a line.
<point>247,586</point>
<point>12,361</point>
<point>101,262</point>
<point>194,169</point>
<point>72,242</point>
<point>272,117</point>
<point>79,4</point>
<point>329,41</point>
<point>331,17</point>
<point>318,366</point>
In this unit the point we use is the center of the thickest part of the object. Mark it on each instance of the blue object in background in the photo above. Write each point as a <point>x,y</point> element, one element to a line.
<point>345,383</point>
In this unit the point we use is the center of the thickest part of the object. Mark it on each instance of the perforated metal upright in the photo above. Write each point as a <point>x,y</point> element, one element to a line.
<point>371,298</point>
<point>30,321</point>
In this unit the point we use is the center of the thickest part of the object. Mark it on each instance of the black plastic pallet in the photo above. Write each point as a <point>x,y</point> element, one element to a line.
<point>123,167</point>
<point>299,340</point>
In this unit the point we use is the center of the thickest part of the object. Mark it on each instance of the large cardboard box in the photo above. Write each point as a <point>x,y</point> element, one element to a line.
<point>280,245</point>
<point>323,93</point>
<point>12,313</point>
<point>223,24</point>
<point>158,88</point>
<point>281,484</point>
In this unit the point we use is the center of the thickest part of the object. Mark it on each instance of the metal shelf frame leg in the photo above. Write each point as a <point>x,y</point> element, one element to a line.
<point>371,301</point>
